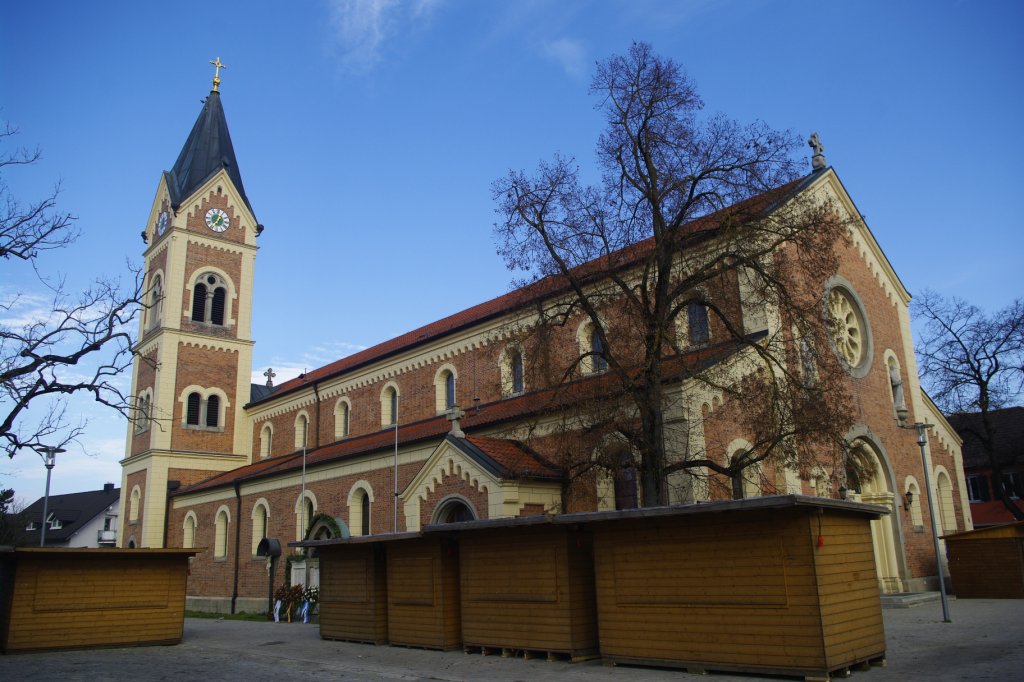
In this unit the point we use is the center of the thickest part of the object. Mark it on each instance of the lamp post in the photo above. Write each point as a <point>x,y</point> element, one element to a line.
<point>49,455</point>
<point>922,441</point>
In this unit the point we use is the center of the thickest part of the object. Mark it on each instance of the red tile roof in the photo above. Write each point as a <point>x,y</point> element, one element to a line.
<point>488,415</point>
<point>518,460</point>
<point>700,228</point>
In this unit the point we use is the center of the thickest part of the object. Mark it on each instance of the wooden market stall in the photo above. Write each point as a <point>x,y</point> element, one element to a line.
<point>527,585</point>
<point>782,585</point>
<point>353,590</point>
<point>400,588</point>
<point>75,598</point>
<point>988,562</point>
<point>423,593</point>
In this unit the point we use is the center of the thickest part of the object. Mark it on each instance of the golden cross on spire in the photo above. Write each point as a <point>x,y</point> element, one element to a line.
<point>216,73</point>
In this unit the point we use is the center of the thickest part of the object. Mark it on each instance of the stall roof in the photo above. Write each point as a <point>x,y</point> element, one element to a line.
<point>750,505</point>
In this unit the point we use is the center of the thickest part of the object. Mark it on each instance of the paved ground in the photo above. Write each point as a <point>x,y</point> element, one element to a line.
<point>985,641</point>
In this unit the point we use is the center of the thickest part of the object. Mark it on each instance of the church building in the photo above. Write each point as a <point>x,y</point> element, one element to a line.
<point>447,422</point>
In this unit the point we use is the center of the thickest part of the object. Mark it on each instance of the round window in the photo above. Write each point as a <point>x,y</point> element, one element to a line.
<point>851,336</point>
<point>849,331</point>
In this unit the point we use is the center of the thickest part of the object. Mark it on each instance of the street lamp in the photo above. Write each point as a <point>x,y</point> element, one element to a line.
<point>49,455</point>
<point>922,441</point>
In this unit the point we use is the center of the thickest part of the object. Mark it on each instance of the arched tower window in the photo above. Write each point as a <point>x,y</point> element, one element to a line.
<point>212,411</point>
<point>209,299</point>
<point>195,402</point>
<point>199,302</point>
<point>156,296</point>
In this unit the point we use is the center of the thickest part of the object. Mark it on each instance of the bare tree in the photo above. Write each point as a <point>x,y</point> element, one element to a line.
<point>54,344</point>
<point>686,206</point>
<point>972,362</point>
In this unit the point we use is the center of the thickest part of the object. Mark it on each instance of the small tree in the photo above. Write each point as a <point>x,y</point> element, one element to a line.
<point>12,519</point>
<point>687,206</point>
<point>80,345</point>
<point>972,362</point>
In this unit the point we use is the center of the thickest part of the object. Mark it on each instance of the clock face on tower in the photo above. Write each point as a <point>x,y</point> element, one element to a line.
<point>161,223</point>
<point>217,220</point>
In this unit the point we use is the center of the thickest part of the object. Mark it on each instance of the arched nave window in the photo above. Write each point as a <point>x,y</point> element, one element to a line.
<point>266,441</point>
<point>188,531</point>
<point>444,388</point>
<point>260,523</point>
<point>389,405</point>
<point>220,538</point>
<point>359,506</point>
<point>512,371</point>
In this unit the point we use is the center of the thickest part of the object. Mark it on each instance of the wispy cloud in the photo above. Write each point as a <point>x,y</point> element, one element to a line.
<point>365,28</point>
<point>308,359</point>
<point>569,54</point>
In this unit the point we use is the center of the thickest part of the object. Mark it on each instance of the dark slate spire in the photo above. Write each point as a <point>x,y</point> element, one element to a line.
<point>207,150</point>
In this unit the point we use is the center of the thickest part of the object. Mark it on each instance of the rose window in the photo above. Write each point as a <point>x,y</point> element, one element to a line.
<point>850,330</point>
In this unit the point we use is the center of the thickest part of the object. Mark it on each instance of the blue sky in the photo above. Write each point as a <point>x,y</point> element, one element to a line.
<point>368,134</point>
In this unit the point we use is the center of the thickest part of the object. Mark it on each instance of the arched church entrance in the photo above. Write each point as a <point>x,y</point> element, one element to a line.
<point>867,480</point>
<point>322,527</point>
<point>454,510</point>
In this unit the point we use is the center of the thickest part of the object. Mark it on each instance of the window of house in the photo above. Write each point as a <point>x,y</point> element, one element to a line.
<point>697,323</point>
<point>1013,483</point>
<point>54,522</point>
<point>977,489</point>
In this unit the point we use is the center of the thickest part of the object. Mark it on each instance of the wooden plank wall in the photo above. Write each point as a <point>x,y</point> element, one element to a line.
<point>528,588</point>
<point>991,568</point>
<point>423,593</point>
<point>353,589</point>
<point>851,609</point>
<point>738,591</point>
<point>89,600</point>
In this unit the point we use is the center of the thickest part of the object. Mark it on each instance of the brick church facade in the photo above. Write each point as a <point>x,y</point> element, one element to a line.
<point>376,443</point>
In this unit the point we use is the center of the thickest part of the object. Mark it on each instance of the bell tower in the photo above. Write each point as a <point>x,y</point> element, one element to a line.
<point>191,376</point>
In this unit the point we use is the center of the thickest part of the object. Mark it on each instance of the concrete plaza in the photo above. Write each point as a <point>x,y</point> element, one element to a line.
<point>985,641</point>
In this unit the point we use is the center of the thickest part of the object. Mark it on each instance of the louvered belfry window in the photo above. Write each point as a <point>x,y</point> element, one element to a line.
<point>217,308</point>
<point>199,303</point>
<point>193,408</point>
<point>212,410</point>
